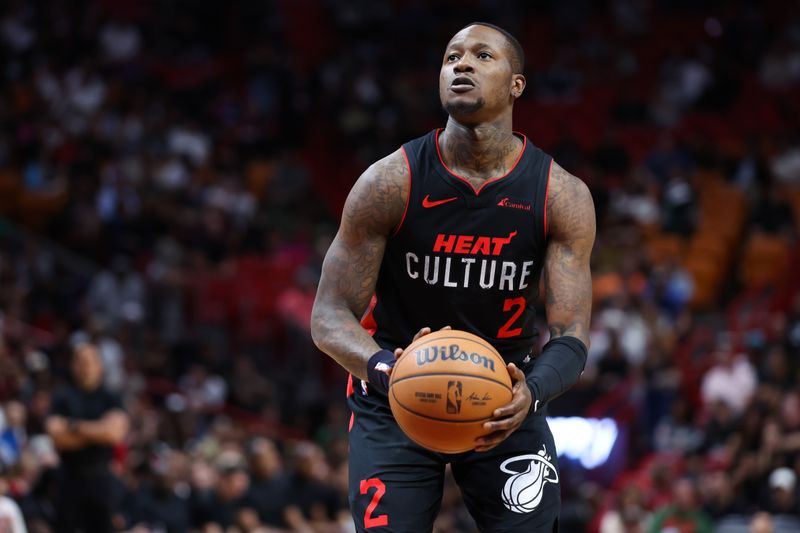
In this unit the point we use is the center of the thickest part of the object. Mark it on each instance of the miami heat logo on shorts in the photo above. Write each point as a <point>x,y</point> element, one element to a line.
<point>523,491</point>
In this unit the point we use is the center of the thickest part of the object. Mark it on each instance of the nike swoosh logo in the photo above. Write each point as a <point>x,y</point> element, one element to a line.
<point>428,203</point>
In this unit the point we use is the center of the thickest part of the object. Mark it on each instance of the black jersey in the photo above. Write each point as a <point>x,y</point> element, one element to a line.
<point>462,257</point>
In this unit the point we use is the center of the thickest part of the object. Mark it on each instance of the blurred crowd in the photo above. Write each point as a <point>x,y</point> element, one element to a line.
<point>171,174</point>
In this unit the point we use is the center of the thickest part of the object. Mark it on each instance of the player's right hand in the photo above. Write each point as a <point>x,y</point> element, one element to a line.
<point>421,333</point>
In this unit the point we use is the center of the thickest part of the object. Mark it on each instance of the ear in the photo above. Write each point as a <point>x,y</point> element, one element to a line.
<point>517,85</point>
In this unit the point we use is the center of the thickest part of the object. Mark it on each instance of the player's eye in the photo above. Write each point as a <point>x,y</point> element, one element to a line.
<point>484,55</point>
<point>452,57</point>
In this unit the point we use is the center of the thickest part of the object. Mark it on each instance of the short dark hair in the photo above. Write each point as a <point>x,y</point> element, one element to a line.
<point>517,53</point>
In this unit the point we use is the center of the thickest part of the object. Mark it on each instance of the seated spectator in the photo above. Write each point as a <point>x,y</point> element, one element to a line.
<point>612,369</point>
<point>683,515</point>
<point>221,505</point>
<point>163,501</point>
<point>722,423</point>
<point>773,214</point>
<point>718,494</point>
<point>311,499</point>
<point>783,492</point>
<point>761,523</point>
<point>268,485</point>
<point>731,380</point>
<point>678,205</point>
<point>10,514</point>
<point>629,515</point>
<point>678,431</point>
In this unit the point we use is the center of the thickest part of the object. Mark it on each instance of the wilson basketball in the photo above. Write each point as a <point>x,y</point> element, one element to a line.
<point>445,386</point>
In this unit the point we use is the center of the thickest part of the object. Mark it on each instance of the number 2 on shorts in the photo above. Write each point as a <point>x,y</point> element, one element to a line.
<point>380,490</point>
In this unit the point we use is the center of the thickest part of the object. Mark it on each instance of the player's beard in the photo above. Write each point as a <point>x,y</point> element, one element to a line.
<point>464,108</point>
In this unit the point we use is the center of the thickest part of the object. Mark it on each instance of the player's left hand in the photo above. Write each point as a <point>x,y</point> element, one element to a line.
<point>398,352</point>
<point>509,417</point>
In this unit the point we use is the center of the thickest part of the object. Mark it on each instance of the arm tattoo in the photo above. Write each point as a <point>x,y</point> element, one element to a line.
<point>373,210</point>
<point>568,280</point>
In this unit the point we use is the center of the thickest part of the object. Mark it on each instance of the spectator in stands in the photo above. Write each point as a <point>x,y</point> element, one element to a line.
<point>162,499</point>
<point>268,484</point>
<point>776,369</point>
<point>117,295</point>
<point>11,375</point>
<point>678,431</point>
<point>86,421</point>
<point>762,523</point>
<point>718,494</point>
<point>678,205</point>
<point>791,336</point>
<point>629,515</point>
<point>10,515</point>
<point>783,492</point>
<point>785,165</point>
<point>684,514</point>
<point>666,157</point>
<point>773,214</point>
<point>205,392</point>
<point>613,367</point>
<point>311,500</point>
<point>610,157</point>
<point>13,437</point>
<point>221,506</point>
<point>731,380</point>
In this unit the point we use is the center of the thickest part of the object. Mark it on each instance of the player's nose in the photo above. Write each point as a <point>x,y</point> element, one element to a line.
<point>463,65</point>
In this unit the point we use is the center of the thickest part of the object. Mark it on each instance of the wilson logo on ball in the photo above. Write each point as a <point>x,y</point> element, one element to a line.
<point>452,353</point>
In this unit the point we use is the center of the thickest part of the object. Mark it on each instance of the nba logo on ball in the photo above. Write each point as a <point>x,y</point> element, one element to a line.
<point>523,491</point>
<point>454,397</point>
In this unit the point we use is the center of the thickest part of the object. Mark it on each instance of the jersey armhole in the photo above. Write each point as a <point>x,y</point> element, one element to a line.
<point>408,199</point>
<point>546,194</point>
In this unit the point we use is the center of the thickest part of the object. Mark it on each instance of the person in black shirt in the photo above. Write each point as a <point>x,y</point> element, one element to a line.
<point>85,422</point>
<point>269,483</point>
<point>221,506</point>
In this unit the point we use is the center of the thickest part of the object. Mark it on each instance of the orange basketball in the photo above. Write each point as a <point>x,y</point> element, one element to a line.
<point>445,386</point>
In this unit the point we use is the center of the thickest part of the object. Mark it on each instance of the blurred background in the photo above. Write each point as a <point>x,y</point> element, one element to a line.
<point>172,172</point>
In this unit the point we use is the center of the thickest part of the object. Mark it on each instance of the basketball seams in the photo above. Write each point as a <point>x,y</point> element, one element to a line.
<point>454,376</point>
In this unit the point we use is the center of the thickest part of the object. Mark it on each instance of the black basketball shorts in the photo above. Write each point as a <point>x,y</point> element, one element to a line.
<point>396,485</point>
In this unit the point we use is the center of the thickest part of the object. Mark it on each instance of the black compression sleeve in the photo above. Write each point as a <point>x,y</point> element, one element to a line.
<point>556,369</point>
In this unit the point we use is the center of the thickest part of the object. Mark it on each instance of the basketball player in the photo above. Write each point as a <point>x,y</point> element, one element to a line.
<point>454,229</point>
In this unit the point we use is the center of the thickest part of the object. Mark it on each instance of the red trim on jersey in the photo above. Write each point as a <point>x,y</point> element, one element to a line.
<point>369,324</point>
<point>368,320</point>
<point>408,199</point>
<point>546,194</point>
<point>352,420</point>
<point>465,180</point>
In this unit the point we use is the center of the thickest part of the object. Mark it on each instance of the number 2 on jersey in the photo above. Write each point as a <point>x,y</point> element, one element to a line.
<point>510,304</point>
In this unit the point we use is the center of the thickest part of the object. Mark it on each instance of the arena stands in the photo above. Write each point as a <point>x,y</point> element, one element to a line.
<point>171,174</point>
